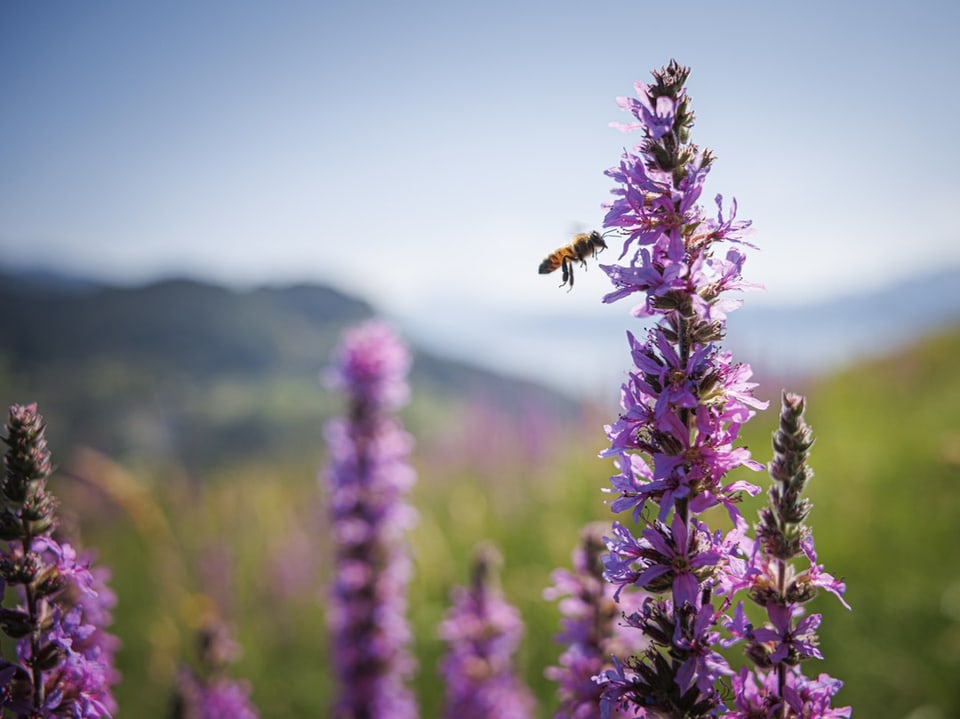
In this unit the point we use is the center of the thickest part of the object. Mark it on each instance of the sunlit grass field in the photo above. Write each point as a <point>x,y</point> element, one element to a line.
<point>250,540</point>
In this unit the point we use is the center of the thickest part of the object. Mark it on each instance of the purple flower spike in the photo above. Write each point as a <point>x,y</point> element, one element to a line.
<point>592,629</point>
<point>682,408</point>
<point>676,439</point>
<point>482,633</point>
<point>369,477</point>
<point>65,657</point>
<point>206,692</point>
<point>772,581</point>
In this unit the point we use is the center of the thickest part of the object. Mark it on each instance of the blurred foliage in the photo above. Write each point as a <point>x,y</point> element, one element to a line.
<point>250,540</point>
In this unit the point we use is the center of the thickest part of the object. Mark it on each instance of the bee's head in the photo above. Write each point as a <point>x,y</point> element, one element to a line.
<point>601,239</point>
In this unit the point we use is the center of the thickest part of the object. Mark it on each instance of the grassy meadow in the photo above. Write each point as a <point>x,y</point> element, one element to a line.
<point>251,541</point>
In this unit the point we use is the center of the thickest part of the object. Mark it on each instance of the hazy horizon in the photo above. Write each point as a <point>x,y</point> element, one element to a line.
<point>584,354</point>
<point>441,151</point>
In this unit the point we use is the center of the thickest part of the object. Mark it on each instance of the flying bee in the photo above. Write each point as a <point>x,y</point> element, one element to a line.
<point>583,246</point>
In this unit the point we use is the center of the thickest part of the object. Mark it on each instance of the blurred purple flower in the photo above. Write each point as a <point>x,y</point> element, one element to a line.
<point>482,633</point>
<point>371,365</point>
<point>221,699</point>
<point>206,692</point>
<point>591,629</point>
<point>369,477</point>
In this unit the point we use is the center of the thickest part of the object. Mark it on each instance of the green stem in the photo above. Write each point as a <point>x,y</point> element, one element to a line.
<point>781,667</point>
<point>33,602</point>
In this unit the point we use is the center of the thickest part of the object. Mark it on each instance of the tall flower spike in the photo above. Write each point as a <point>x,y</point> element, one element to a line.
<point>482,633</point>
<point>369,477</point>
<point>778,648</point>
<point>592,629</point>
<point>683,405</point>
<point>64,664</point>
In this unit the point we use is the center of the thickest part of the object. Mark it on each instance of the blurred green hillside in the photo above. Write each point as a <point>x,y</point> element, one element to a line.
<point>250,540</point>
<point>196,374</point>
<point>887,497</point>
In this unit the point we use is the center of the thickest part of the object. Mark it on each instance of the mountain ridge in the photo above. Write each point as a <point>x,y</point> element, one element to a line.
<point>204,372</point>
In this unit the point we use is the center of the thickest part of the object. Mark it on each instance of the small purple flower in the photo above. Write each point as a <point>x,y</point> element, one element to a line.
<point>634,485</point>
<point>64,558</point>
<point>658,117</point>
<point>624,559</point>
<point>752,700</point>
<point>677,554</point>
<point>814,697</point>
<point>702,666</point>
<point>656,275</point>
<point>789,642</point>
<point>617,691</point>
<point>758,694</point>
<point>814,576</point>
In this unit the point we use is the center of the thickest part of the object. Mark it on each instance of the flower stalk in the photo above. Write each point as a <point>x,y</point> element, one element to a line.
<point>591,628</point>
<point>675,441</point>
<point>64,664</point>
<point>207,692</point>
<point>683,405</point>
<point>369,477</point>
<point>771,580</point>
<point>482,633</point>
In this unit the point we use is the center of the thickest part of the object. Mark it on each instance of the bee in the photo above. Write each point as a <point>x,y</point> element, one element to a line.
<point>583,246</point>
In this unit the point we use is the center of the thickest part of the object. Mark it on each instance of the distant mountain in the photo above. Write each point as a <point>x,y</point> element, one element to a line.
<point>198,373</point>
<point>180,325</point>
<point>43,281</point>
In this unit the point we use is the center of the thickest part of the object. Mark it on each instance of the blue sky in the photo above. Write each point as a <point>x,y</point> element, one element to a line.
<point>428,155</point>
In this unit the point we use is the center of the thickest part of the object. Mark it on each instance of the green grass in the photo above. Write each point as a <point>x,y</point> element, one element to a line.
<point>886,496</point>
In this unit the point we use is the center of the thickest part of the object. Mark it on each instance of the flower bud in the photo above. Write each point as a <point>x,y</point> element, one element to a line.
<point>16,623</point>
<point>10,525</point>
<point>49,657</point>
<point>49,582</point>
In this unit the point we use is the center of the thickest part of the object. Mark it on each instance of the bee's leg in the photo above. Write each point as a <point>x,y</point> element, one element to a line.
<point>567,272</point>
<point>571,278</point>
